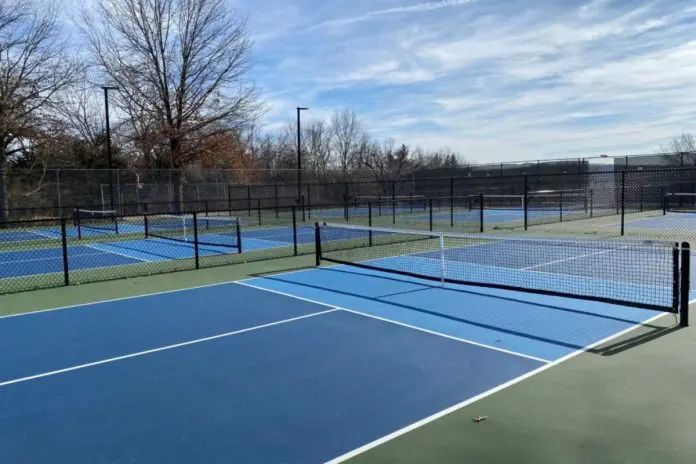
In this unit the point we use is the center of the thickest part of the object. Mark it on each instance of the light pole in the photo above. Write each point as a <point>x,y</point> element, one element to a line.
<point>108,144</point>
<point>299,156</point>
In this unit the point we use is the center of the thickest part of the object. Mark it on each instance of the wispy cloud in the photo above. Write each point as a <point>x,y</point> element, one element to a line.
<point>418,8</point>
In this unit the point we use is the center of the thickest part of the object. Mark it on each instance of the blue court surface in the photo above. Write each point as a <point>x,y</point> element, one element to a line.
<point>679,222</point>
<point>497,215</point>
<point>301,367</point>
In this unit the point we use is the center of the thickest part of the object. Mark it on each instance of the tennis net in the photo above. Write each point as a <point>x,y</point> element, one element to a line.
<point>105,221</point>
<point>645,274</point>
<point>547,201</point>
<point>194,229</point>
<point>680,203</point>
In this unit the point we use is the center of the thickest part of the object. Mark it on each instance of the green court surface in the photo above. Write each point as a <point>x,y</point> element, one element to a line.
<point>631,399</point>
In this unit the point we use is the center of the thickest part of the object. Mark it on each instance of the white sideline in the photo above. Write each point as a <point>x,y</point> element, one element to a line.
<point>451,409</point>
<point>162,348</point>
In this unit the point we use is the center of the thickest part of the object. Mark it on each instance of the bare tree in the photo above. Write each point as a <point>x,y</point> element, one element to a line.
<point>34,68</point>
<point>388,163</point>
<point>80,111</point>
<point>347,136</point>
<point>685,146</point>
<point>317,139</point>
<point>180,64</point>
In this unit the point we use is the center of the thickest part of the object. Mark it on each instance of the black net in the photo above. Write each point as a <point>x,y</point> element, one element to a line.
<point>103,221</point>
<point>637,273</point>
<point>205,230</point>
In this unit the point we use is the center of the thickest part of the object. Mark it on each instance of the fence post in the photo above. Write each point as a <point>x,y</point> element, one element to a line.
<point>229,199</point>
<point>369,223</point>
<point>393,206</point>
<point>64,242</point>
<point>258,208</point>
<point>275,194</point>
<point>309,202</point>
<point>591,203</point>
<point>526,202</point>
<point>60,202</point>
<point>430,207</point>
<point>560,206</point>
<point>294,230</point>
<point>481,212</point>
<point>249,198</point>
<point>195,240</point>
<point>451,195</point>
<point>623,201</point>
<point>641,198</point>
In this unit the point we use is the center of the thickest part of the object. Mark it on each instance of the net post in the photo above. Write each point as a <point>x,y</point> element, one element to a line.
<point>442,259</point>
<point>238,230</point>
<point>481,212</point>
<point>369,222</point>
<point>195,238</point>
<point>451,187</point>
<point>623,202</point>
<point>64,243</point>
<point>526,202</point>
<point>77,222</point>
<point>430,211</point>
<point>685,284</point>
<point>294,229</point>
<point>317,243</point>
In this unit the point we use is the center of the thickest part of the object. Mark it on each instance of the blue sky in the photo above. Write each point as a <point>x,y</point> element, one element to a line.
<point>493,80</point>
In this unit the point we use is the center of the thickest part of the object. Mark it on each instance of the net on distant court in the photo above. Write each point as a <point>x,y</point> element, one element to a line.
<point>96,220</point>
<point>552,201</point>
<point>645,274</point>
<point>400,204</point>
<point>204,230</point>
<point>680,203</point>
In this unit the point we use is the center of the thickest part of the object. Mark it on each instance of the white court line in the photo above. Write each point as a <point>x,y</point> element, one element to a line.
<point>162,348</point>
<point>402,324</point>
<point>573,257</point>
<point>47,258</point>
<point>103,250</point>
<point>143,295</point>
<point>480,396</point>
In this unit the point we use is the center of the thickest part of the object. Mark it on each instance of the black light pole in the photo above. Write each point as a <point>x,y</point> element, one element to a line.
<point>299,156</point>
<point>108,144</point>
